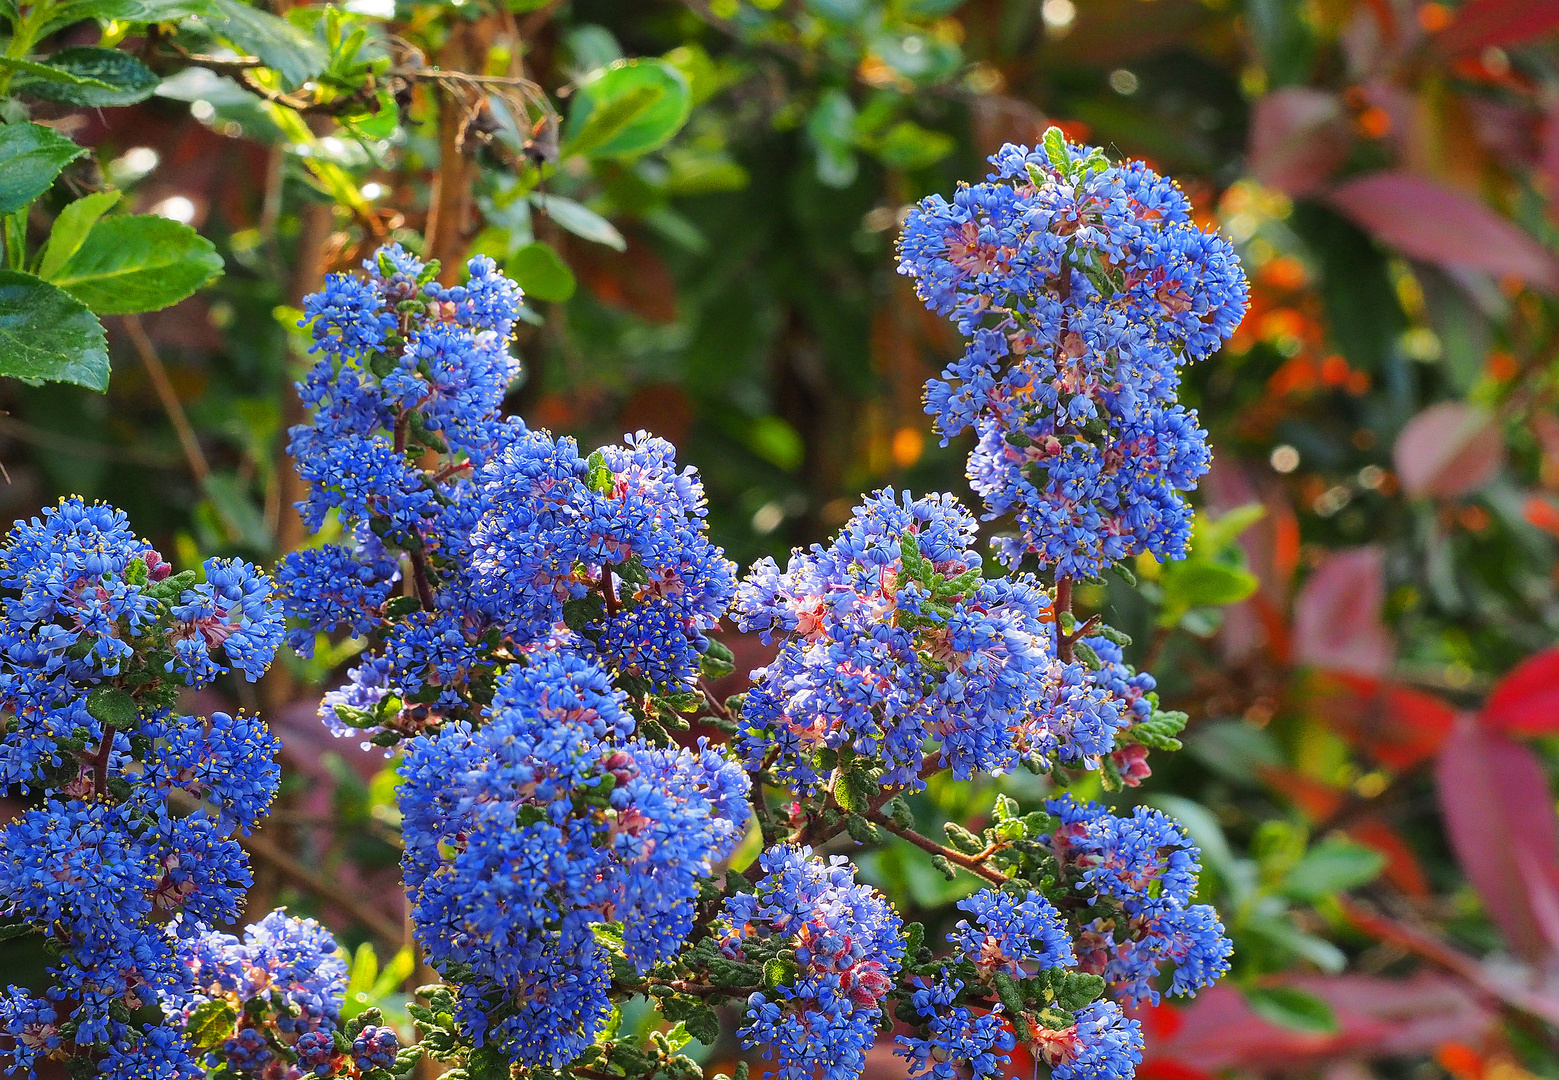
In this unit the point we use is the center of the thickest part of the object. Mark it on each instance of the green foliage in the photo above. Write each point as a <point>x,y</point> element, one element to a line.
<point>84,75</point>
<point>48,335</point>
<point>31,156</point>
<point>137,263</point>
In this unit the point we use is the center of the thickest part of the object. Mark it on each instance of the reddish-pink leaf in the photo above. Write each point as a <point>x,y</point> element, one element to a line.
<point>1337,624</point>
<point>1526,701</point>
<point>1376,1018</point>
<point>1448,450</point>
<point>1499,814</point>
<point>1298,138</point>
<point>1481,23</point>
<point>1429,221</point>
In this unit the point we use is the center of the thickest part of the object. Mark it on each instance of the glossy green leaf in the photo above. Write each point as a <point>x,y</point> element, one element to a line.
<point>629,108</point>
<point>1290,1008</point>
<point>138,263</point>
<point>31,156</point>
<point>47,335</point>
<point>1332,867</point>
<point>541,272</point>
<point>295,55</point>
<point>579,220</point>
<point>88,76</point>
<point>70,230</point>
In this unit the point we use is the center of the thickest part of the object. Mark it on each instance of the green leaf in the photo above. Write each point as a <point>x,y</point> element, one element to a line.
<point>230,496</point>
<point>579,220</point>
<point>70,230</point>
<point>293,54</point>
<point>1332,867</point>
<point>909,146</point>
<point>628,108</point>
<point>1290,1008</point>
<point>541,272</point>
<point>156,11</point>
<point>831,129</point>
<point>210,1024</point>
<point>487,1063</point>
<point>1199,583</point>
<point>1277,930</point>
<point>114,707</point>
<point>138,263</point>
<point>31,156</point>
<point>87,76</point>
<point>16,930</point>
<point>47,335</point>
<point>1214,535</point>
<point>1054,143</point>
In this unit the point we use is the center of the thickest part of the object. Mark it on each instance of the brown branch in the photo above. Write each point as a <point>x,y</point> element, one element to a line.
<point>290,868</point>
<point>100,761</point>
<point>1062,604</point>
<point>974,864</point>
<point>419,577</point>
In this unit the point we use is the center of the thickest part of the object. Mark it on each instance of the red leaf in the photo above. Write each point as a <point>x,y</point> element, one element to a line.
<point>1298,138</point>
<point>1526,701</point>
<point>1396,725</point>
<point>1429,221</point>
<point>1448,450</point>
<point>1499,814</point>
<point>1337,624</point>
<point>1481,23</point>
<point>1376,1018</point>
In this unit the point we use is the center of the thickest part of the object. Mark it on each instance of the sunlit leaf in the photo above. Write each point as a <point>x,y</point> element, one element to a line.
<point>138,263</point>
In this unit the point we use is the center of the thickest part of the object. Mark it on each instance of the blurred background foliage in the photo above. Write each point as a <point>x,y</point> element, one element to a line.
<point>701,199</point>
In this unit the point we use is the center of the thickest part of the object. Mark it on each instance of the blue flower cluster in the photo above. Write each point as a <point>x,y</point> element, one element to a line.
<point>524,833</point>
<point>615,545</point>
<point>1011,936</point>
<point>1142,871</point>
<point>409,372</point>
<point>527,602</point>
<point>1082,287</point>
<point>472,536</point>
<point>892,636</point>
<point>135,806</point>
<point>847,947</point>
<point>956,1038</point>
<point>256,998</point>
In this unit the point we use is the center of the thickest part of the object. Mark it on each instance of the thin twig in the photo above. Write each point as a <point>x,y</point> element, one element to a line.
<point>974,864</point>
<point>293,870</point>
<point>64,444</point>
<point>194,456</point>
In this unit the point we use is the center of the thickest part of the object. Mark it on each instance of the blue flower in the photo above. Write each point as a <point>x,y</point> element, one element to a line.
<point>1082,288</point>
<point>1010,936</point>
<point>232,610</point>
<point>848,949</point>
<point>956,1039</point>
